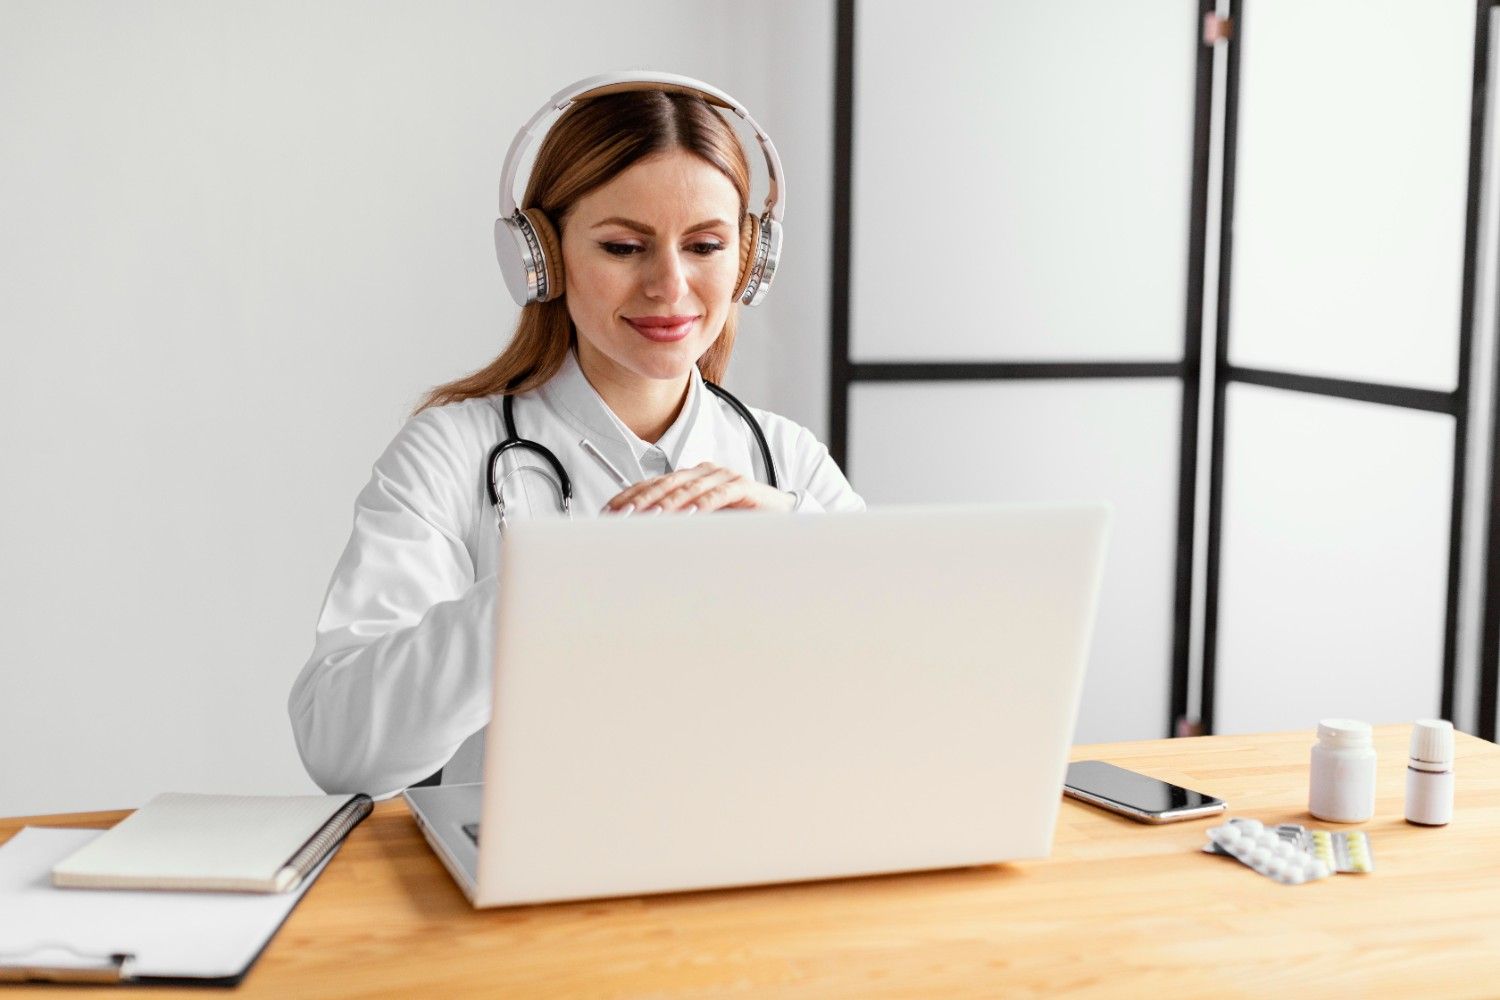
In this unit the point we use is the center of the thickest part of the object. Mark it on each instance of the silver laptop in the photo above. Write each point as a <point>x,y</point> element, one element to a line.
<point>696,702</point>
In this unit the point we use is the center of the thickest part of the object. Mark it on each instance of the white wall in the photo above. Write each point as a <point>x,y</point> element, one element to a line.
<point>241,240</point>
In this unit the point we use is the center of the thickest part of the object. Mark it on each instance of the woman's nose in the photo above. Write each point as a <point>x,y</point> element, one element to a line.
<point>666,279</point>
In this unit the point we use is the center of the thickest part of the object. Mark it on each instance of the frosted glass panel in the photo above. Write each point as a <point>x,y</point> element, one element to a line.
<point>1021,180</point>
<point>1335,561</point>
<point>1037,441</point>
<point>1351,179</point>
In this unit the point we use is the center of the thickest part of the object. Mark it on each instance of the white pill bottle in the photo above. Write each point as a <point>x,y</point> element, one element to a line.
<point>1429,773</point>
<point>1342,789</point>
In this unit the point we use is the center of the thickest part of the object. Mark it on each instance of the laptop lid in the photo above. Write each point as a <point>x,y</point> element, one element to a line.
<point>683,703</point>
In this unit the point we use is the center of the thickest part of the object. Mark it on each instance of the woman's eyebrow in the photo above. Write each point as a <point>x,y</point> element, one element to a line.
<point>615,220</point>
<point>645,230</point>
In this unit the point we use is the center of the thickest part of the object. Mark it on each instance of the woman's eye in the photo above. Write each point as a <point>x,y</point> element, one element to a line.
<point>702,249</point>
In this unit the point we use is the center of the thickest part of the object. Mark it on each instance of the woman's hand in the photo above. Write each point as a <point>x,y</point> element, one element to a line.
<point>704,487</point>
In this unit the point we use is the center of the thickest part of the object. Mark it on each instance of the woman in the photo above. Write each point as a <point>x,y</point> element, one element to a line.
<point>647,191</point>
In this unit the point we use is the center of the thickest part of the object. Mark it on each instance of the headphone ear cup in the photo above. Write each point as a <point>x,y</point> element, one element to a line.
<point>749,244</point>
<point>551,266</point>
<point>760,247</point>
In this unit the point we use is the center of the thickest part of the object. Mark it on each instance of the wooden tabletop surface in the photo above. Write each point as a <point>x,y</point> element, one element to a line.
<point>1121,909</point>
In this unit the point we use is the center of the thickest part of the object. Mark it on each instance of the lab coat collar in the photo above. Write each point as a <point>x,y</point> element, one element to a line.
<point>573,395</point>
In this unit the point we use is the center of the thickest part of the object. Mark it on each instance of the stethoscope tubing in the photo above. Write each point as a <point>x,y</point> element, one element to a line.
<point>748,418</point>
<point>514,442</point>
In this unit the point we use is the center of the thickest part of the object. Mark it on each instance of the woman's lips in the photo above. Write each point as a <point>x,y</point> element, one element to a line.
<point>662,329</point>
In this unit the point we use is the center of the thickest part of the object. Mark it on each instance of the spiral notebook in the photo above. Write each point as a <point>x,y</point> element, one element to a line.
<point>215,843</point>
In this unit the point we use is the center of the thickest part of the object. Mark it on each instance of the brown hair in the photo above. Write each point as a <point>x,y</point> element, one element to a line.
<point>590,144</point>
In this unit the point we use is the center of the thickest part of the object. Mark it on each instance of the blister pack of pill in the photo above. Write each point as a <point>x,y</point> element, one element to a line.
<point>1345,851</point>
<point>1269,853</point>
<point>1341,850</point>
<point>1290,832</point>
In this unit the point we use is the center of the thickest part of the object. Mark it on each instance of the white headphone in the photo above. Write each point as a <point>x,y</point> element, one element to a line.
<point>527,244</point>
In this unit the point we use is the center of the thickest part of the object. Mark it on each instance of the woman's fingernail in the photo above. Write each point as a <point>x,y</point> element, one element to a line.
<point>691,510</point>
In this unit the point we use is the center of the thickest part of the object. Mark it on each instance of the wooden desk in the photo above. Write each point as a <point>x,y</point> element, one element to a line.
<point>1121,909</point>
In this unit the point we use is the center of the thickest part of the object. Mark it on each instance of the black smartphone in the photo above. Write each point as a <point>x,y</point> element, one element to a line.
<point>1138,796</point>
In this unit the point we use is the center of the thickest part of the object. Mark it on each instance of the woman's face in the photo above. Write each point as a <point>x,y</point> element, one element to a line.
<point>650,261</point>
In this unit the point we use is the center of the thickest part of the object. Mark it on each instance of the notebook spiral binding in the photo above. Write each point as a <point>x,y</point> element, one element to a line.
<point>334,831</point>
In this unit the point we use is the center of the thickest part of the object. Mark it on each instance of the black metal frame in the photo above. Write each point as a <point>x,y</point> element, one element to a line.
<point>1489,631</point>
<point>843,371</point>
<point>840,369</point>
<point>1455,403</point>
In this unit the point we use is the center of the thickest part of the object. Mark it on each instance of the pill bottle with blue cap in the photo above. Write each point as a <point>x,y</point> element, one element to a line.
<point>1342,787</point>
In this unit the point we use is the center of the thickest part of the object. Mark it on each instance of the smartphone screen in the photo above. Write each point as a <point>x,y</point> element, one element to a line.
<point>1116,784</point>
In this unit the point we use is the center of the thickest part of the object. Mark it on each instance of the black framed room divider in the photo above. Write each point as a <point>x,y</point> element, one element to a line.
<point>1454,404</point>
<point>1207,34</point>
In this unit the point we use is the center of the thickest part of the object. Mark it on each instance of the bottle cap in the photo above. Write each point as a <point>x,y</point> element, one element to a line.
<point>1344,732</point>
<point>1432,741</point>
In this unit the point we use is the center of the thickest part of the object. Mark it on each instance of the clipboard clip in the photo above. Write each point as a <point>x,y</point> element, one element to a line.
<point>61,963</point>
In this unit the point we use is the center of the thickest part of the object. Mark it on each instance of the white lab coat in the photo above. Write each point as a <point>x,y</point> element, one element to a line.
<point>398,684</point>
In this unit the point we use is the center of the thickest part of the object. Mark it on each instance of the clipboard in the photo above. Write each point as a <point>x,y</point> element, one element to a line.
<point>147,937</point>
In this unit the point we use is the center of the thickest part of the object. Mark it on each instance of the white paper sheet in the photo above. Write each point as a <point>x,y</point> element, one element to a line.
<point>207,935</point>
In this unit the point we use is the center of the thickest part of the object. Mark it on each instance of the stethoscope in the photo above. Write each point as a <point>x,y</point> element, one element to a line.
<point>564,484</point>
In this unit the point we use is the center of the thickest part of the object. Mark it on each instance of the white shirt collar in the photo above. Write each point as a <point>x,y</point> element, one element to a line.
<point>672,439</point>
<point>571,390</point>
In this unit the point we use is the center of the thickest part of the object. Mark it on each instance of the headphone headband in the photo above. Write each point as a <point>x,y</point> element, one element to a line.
<point>631,80</point>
